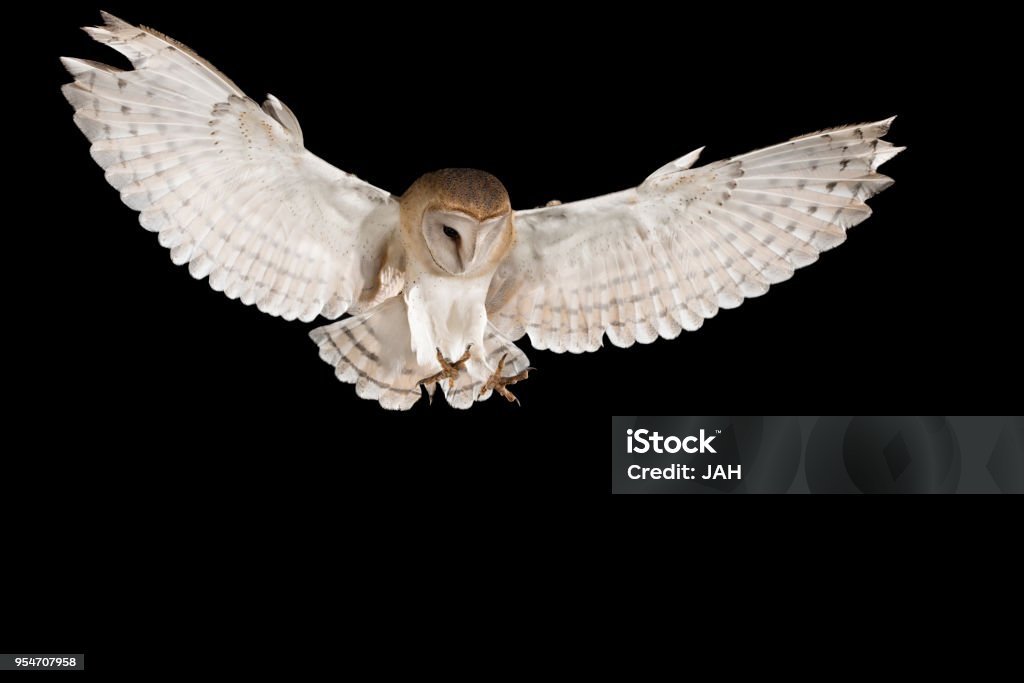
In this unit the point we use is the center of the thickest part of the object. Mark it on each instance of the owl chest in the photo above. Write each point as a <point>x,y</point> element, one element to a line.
<point>446,314</point>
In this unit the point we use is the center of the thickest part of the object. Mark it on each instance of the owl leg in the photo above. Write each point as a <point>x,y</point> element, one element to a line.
<point>498,383</point>
<point>449,370</point>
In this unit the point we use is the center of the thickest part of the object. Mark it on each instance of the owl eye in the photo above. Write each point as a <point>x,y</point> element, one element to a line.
<point>451,232</point>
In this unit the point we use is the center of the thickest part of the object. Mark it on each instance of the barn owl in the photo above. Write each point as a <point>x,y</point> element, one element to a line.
<point>440,282</point>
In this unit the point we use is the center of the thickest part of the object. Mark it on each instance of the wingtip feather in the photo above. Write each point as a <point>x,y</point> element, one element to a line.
<point>110,21</point>
<point>885,124</point>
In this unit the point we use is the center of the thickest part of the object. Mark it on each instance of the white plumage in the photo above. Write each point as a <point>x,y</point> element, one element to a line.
<point>663,257</point>
<point>226,184</point>
<point>230,190</point>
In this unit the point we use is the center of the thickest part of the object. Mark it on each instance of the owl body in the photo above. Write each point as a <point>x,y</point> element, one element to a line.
<point>448,266</point>
<point>446,314</point>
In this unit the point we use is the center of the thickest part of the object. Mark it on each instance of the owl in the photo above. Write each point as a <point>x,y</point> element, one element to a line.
<point>440,282</point>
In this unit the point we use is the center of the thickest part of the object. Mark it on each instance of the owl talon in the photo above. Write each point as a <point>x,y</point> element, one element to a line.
<point>449,370</point>
<point>498,383</point>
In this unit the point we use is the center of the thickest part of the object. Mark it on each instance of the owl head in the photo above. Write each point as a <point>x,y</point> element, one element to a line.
<point>461,218</point>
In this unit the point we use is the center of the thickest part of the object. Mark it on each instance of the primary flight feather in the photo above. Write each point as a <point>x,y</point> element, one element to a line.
<point>441,281</point>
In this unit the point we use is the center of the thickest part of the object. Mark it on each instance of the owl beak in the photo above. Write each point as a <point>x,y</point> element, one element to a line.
<point>467,250</point>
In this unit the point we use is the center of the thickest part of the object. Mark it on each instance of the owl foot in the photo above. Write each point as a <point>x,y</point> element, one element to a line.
<point>449,370</point>
<point>498,383</point>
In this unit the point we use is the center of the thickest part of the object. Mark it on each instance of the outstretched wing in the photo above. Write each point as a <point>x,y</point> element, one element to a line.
<point>661,258</point>
<point>226,183</point>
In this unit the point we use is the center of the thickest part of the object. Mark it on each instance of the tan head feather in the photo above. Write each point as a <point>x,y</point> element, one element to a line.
<point>475,193</point>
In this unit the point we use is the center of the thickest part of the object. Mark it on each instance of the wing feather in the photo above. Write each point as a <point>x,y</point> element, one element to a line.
<point>227,184</point>
<point>667,255</point>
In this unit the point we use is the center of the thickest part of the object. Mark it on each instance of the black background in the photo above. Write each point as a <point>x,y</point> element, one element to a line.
<point>151,400</point>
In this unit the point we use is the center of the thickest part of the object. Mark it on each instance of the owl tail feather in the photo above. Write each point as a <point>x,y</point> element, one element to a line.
<point>374,351</point>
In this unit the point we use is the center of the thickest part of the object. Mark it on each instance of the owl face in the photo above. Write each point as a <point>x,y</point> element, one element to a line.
<point>462,245</point>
